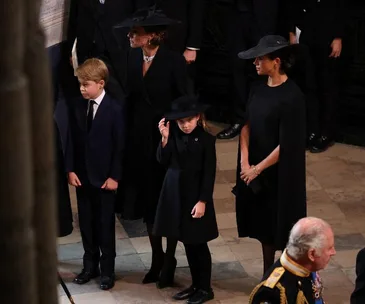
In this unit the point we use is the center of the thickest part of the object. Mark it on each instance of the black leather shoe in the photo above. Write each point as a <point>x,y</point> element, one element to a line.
<point>201,296</point>
<point>185,294</point>
<point>107,282</point>
<point>167,274</point>
<point>322,144</point>
<point>85,276</point>
<point>311,140</point>
<point>230,132</point>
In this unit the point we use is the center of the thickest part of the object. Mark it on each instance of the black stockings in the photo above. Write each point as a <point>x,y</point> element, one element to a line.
<point>268,252</point>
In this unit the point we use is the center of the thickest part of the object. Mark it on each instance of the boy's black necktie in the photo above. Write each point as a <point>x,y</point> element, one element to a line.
<point>90,115</point>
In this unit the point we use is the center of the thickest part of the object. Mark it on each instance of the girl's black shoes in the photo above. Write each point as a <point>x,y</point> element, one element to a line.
<point>201,296</point>
<point>185,294</point>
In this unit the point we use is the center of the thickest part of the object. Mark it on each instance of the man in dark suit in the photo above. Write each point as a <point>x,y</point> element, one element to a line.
<point>321,23</point>
<point>186,36</point>
<point>246,22</point>
<point>93,164</point>
<point>358,296</point>
<point>91,23</point>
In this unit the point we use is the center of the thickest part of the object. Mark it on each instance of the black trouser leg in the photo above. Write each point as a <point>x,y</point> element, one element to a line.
<point>87,214</point>
<point>304,74</point>
<point>106,230</point>
<point>238,43</point>
<point>327,74</point>
<point>330,95</point>
<point>200,264</point>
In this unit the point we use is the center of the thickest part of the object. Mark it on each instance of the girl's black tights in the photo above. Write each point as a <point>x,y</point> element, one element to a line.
<point>157,257</point>
<point>200,264</point>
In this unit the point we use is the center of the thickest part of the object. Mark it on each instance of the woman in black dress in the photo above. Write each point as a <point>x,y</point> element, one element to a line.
<point>155,77</point>
<point>270,191</point>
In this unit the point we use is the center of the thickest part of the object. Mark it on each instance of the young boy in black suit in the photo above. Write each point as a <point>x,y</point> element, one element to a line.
<point>93,163</point>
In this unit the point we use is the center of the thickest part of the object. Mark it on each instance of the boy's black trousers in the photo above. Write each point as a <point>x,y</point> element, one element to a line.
<point>96,209</point>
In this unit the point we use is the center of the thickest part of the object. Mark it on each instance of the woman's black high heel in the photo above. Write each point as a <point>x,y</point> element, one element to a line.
<point>153,275</point>
<point>167,274</point>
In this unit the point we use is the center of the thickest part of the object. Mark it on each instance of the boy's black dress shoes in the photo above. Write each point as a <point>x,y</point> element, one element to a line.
<point>201,296</point>
<point>185,294</point>
<point>107,282</point>
<point>85,276</point>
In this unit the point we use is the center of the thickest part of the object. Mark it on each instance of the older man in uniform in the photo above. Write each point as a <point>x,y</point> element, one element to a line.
<point>294,277</point>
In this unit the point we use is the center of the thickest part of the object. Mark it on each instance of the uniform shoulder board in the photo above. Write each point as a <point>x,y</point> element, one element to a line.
<point>274,277</point>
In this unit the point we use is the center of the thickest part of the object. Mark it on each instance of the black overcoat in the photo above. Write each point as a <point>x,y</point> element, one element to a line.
<point>276,116</point>
<point>319,21</point>
<point>189,32</point>
<point>92,23</point>
<point>61,125</point>
<point>191,164</point>
<point>149,98</point>
<point>358,295</point>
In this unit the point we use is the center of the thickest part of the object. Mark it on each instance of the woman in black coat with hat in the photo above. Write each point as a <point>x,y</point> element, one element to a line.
<point>270,191</point>
<point>185,210</point>
<point>156,76</point>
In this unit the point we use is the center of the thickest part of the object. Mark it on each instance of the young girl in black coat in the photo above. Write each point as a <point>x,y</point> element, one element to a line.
<point>185,210</point>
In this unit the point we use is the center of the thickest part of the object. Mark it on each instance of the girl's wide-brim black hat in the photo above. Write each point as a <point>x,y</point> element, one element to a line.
<point>266,45</point>
<point>185,106</point>
<point>147,17</point>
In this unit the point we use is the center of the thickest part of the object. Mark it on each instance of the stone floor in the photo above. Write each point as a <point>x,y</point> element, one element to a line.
<point>336,193</point>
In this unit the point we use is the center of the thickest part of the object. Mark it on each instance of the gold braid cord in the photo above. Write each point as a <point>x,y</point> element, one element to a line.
<point>301,299</point>
<point>281,288</point>
<point>254,291</point>
<point>283,299</point>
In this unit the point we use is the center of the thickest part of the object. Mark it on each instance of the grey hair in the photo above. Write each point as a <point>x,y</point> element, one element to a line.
<point>307,233</point>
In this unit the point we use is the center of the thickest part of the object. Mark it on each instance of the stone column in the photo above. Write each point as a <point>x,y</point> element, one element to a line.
<point>27,190</point>
<point>38,72</point>
<point>16,188</point>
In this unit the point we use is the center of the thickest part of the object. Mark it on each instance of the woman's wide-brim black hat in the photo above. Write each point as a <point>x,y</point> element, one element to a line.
<point>147,17</point>
<point>266,45</point>
<point>185,106</point>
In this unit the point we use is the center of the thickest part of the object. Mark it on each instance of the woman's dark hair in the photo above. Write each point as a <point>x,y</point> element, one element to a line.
<point>286,57</point>
<point>160,32</point>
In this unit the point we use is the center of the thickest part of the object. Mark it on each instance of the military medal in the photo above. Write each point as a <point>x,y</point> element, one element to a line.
<point>317,288</point>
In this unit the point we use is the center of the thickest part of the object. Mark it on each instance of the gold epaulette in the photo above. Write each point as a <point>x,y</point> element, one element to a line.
<point>271,282</point>
<point>274,277</point>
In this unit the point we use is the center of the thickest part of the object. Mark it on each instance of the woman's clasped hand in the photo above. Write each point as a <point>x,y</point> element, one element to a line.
<point>248,173</point>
